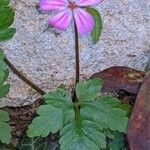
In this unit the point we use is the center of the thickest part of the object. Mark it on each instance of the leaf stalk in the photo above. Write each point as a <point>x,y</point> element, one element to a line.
<point>77,53</point>
<point>23,78</point>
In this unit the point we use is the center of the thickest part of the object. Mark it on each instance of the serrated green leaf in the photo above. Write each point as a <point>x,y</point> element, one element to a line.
<point>4,3</point>
<point>58,112</point>
<point>82,125</point>
<point>86,136</point>
<point>7,34</point>
<point>104,114</point>
<point>5,129</point>
<point>6,17</point>
<point>87,91</point>
<point>96,33</point>
<point>59,98</point>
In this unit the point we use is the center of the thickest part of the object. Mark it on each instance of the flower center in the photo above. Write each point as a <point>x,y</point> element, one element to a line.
<point>72,5</point>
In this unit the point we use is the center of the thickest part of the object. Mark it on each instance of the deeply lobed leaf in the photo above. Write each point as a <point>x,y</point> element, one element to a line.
<point>87,91</point>
<point>105,112</point>
<point>86,135</point>
<point>53,116</point>
<point>82,128</point>
<point>59,98</point>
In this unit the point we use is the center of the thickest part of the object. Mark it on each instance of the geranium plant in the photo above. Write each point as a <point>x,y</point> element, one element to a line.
<point>85,119</point>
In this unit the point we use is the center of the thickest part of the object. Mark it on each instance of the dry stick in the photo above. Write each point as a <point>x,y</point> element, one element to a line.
<point>22,77</point>
<point>77,54</point>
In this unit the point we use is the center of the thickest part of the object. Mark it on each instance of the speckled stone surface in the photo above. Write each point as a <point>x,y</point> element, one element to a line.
<point>46,56</point>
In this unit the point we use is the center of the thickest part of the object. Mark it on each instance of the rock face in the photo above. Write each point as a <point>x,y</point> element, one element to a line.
<point>47,57</point>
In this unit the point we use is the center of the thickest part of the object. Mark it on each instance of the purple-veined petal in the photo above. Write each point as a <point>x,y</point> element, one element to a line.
<point>84,21</point>
<point>62,20</point>
<point>88,2</point>
<point>53,4</point>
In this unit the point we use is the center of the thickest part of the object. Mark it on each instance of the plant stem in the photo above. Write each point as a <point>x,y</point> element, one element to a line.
<point>22,77</point>
<point>77,57</point>
<point>77,54</point>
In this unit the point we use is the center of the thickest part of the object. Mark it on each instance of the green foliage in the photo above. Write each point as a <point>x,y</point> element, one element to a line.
<point>105,113</point>
<point>117,143</point>
<point>87,91</point>
<point>4,88</point>
<point>4,3</point>
<point>82,124</point>
<point>37,144</point>
<point>6,32</point>
<point>5,129</point>
<point>96,33</point>
<point>6,20</point>
<point>86,135</point>
<point>57,112</point>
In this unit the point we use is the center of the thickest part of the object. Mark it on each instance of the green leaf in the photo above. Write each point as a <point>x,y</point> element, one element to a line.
<point>3,76</point>
<point>96,33</point>
<point>6,17</point>
<point>59,98</point>
<point>117,143</point>
<point>58,112</point>
<point>4,3</point>
<point>83,125</point>
<point>7,34</point>
<point>3,66</point>
<point>87,91</point>
<point>127,108</point>
<point>38,144</point>
<point>1,54</point>
<point>5,129</point>
<point>104,112</point>
<point>4,90</point>
<point>84,136</point>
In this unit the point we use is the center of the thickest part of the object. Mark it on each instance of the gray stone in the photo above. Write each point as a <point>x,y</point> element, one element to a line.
<point>46,56</point>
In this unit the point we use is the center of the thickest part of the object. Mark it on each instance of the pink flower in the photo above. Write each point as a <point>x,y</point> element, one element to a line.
<point>69,10</point>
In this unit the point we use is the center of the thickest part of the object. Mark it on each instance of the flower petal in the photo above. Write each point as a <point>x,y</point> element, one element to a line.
<point>88,2</point>
<point>84,21</point>
<point>62,20</point>
<point>53,4</point>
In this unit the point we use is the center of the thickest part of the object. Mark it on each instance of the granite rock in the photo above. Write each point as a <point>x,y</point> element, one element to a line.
<point>46,56</point>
